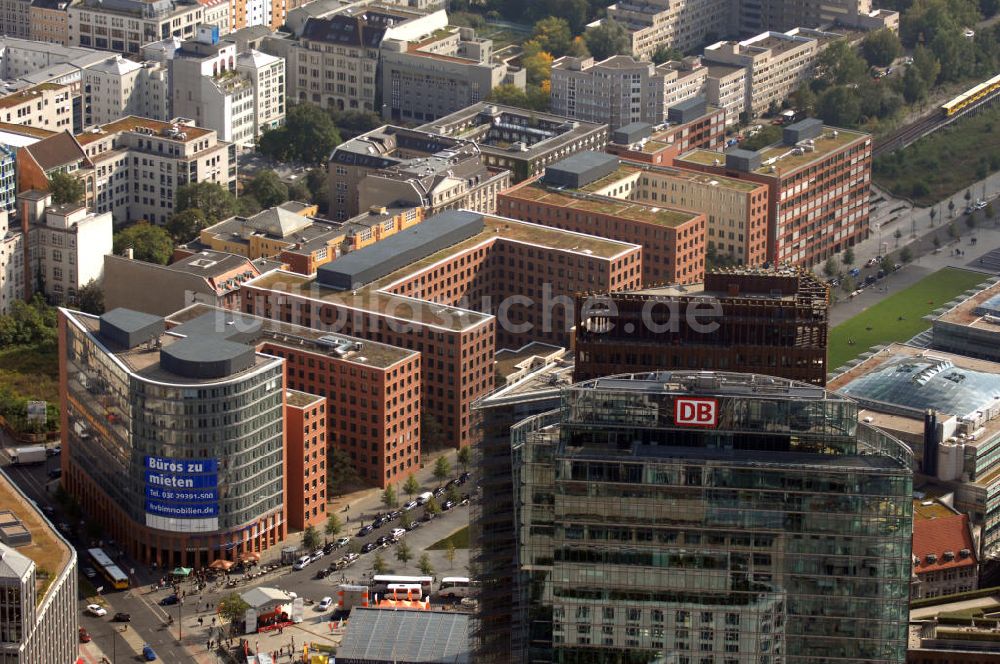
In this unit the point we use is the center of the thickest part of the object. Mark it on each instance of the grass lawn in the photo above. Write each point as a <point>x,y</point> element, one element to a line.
<point>912,303</point>
<point>946,162</point>
<point>459,538</point>
<point>30,373</point>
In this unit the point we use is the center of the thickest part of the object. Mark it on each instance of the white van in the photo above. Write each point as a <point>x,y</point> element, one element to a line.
<point>423,498</point>
<point>302,562</point>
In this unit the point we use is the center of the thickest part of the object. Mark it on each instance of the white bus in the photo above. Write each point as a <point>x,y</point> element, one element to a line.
<point>380,582</point>
<point>457,587</point>
<point>408,591</point>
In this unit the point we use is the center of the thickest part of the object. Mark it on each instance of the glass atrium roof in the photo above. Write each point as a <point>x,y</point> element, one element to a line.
<point>922,383</point>
<point>990,307</point>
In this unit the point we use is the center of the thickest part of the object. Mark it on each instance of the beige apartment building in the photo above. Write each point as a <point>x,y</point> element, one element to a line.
<point>682,24</point>
<point>217,14</point>
<point>119,87</point>
<point>776,63</point>
<point>447,71</point>
<point>620,90</point>
<point>725,87</point>
<point>334,64</point>
<point>407,167</point>
<point>48,21</point>
<point>44,106</point>
<point>781,15</point>
<point>124,26</point>
<point>139,163</point>
<point>14,18</point>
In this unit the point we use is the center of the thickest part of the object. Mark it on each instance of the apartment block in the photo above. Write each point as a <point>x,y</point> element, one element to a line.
<point>58,153</point>
<point>38,583</point>
<point>305,415</point>
<point>777,63</point>
<point>681,24</point>
<point>67,245</point>
<point>48,21</point>
<point>137,165</point>
<point>370,392</point>
<point>335,61</point>
<point>590,193</point>
<point>44,106</point>
<point>217,14</point>
<point>124,26</point>
<point>726,87</point>
<point>442,288</point>
<point>208,277</point>
<point>12,255</point>
<point>690,125</point>
<point>639,535</point>
<point>762,320</point>
<point>119,87</point>
<point>14,18</point>
<point>411,168</point>
<point>819,181</point>
<point>520,140</point>
<point>621,89</point>
<point>449,70</point>
<point>755,17</point>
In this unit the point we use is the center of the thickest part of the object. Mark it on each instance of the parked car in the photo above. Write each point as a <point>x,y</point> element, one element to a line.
<point>302,562</point>
<point>55,451</point>
<point>464,477</point>
<point>392,516</point>
<point>438,491</point>
<point>148,653</point>
<point>448,504</point>
<point>90,572</point>
<point>328,548</point>
<point>317,554</point>
<point>350,558</point>
<point>121,616</point>
<point>413,525</point>
<point>169,600</point>
<point>384,540</point>
<point>342,541</point>
<point>84,636</point>
<point>366,529</point>
<point>398,532</point>
<point>452,483</point>
<point>321,573</point>
<point>369,547</point>
<point>324,604</point>
<point>96,610</point>
<point>427,516</point>
<point>409,505</point>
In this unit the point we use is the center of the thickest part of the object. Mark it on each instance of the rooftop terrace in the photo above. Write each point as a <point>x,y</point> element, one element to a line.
<point>28,94</point>
<point>158,128</point>
<point>374,297</point>
<point>966,312</point>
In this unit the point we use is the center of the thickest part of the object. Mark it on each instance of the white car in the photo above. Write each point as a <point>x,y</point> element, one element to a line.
<point>397,533</point>
<point>96,610</point>
<point>302,562</point>
<point>324,604</point>
<point>343,541</point>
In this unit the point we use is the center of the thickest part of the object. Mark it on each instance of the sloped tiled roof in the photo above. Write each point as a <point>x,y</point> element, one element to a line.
<point>935,537</point>
<point>56,151</point>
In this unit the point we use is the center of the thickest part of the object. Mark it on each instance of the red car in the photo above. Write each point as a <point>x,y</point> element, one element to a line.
<point>84,636</point>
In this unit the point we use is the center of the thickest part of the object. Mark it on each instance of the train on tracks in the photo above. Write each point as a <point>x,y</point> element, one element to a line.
<point>970,97</point>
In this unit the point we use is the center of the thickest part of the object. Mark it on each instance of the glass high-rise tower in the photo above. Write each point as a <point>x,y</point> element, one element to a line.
<point>710,518</point>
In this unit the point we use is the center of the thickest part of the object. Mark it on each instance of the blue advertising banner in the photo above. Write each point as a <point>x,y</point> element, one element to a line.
<point>182,488</point>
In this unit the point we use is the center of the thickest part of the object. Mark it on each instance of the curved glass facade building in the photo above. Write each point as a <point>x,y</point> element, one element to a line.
<point>710,518</point>
<point>174,445</point>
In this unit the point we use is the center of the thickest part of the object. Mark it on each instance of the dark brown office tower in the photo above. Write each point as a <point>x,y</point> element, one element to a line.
<point>772,322</point>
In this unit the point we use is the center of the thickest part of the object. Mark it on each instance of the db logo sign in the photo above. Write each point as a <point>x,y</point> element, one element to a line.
<point>696,412</point>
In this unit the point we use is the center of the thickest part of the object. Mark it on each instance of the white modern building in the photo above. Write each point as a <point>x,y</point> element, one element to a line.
<point>119,87</point>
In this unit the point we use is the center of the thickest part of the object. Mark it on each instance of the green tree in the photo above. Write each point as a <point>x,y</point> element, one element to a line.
<point>432,507</point>
<point>268,189</point>
<point>848,257</point>
<point>937,242</point>
<point>970,221</point>
<point>905,255</point>
<point>442,468</point>
<point>465,457</point>
<point>403,553</point>
<point>333,526</point>
<point>247,205</point>
<point>353,123</point>
<point>453,495</point>
<point>578,48</point>
<point>215,201</point>
<point>951,208</point>
<point>311,538</point>
<point>232,608</point>
<point>149,243</point>
<point>607,39</point>
<point>553,35</point>
<point>664,53</point>
<point>804,99</point>
<point>830,267</point>
<point>967,195</point>
<point>927,65</point>
<point>65,189</point>
<point>952,230</point>
<point>411,485</point>
<point>932,213</point>
<point>389,498</point>
<point>537,63</point>
<point>90,298</point>
<point>839,106</point>
<point>432,435</point>
<point>308,136</point>
<point>343,474</point>
<point>299,191</point>
<point>184,226</point>
<point>840,64</point>
<point>378,564</point>
<point>425,565</point>
<point>768,135</point>
<point>450,553</point>
<point>881,47</point>
<point>406,520</point>
<point>914,86</point>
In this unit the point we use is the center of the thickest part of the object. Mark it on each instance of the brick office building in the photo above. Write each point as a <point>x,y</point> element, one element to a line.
<point>772,322</point>
<point>306,473</point>
<point>820,182</point>
<point>590,192</point>
<point>439,288</point>
<point>691,125</point>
